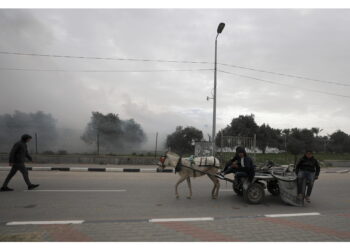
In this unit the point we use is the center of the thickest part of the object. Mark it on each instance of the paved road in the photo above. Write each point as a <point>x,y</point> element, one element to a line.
<point>119,207</point>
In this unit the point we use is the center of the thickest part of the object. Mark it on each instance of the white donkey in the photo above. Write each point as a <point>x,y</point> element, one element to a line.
<point>184,166</point>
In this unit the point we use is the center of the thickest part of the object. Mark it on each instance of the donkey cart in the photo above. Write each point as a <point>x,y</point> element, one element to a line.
<point>279,181</point>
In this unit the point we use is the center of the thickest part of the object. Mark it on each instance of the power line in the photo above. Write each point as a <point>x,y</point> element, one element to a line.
<point>101,58</point>
<point>286,75</point>
<point>285,85</point>
<point>105,71</point>
<point>175,61</point>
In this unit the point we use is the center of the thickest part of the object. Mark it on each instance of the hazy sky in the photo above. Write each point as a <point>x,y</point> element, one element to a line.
<point>310,43</point>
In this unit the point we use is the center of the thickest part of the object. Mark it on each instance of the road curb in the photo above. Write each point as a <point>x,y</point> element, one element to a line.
<point>125,170</point>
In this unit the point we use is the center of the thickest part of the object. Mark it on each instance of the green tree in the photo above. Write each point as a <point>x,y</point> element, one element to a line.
<point>304,135</point>
<point>244,126</point>
<point>295,147</point>
<point>181,140</point>
<point>339,142</point>
<point>267,136</point>
<point>113,134</point>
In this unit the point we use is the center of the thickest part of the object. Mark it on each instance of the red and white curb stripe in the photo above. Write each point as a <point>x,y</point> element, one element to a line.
<point>77,190</point>
<point>78,169</point>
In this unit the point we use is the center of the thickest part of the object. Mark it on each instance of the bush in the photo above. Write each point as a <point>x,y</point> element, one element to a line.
<point>48,152</point>
<point>62,152</point>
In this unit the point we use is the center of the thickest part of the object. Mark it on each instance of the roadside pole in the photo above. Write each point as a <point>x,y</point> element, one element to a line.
<point>155,151</point>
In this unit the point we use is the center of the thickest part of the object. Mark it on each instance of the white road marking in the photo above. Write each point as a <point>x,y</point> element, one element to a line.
<point>17,223</point>
<point>291,215</point>
<point>78,190</point>
<point>226,190</point>
<point>182,219</point>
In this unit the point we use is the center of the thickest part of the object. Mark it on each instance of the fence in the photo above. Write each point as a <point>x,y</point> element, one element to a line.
<point>227,147</point>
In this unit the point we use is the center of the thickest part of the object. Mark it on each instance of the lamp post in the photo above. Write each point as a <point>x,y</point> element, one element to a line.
<point>219,30</point>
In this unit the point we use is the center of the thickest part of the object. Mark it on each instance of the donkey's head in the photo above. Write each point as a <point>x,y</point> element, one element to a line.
<point>168,159</point>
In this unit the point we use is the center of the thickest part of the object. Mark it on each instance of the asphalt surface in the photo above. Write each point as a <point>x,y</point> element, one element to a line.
<point>119,207</point>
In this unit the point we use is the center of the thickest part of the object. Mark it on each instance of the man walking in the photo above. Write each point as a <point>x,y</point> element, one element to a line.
<point>18,154</point>
<point>307,170</point>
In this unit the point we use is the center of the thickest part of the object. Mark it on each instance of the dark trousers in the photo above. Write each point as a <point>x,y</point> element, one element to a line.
<point>239,175</point>
<point>13,171</point>
<point>305,178</point>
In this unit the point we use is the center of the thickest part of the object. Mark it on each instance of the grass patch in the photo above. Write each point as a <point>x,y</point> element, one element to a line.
<point>286,158</point>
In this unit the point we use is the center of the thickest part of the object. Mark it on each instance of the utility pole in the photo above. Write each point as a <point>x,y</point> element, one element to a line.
<point>155,151</point>
<point>285,142</point>
<point>98,142</point>
<point>36,143</point>
<point>219,30</point>
<point>254,142</point>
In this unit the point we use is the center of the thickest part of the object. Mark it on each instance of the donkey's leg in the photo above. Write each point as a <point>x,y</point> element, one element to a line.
<point>189,187</point>
<point>217,187</point>
<point>182,178</point>
<point>215,191</point>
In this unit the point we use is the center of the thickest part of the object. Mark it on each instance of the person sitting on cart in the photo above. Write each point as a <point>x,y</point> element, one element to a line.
<point>241,165</point>
<point>307,169</point>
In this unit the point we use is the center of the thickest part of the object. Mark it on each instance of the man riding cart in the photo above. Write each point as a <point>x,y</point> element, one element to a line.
<point>241,165</point>
<point>251,183</point>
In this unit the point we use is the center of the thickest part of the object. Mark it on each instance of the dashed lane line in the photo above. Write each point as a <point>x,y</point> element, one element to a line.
<point>157,220</point>
<point>182,219</point>
<point>291,215</point>
<point>62,222</point>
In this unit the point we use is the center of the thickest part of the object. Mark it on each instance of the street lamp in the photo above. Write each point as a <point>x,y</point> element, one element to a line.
<point>219,30</point>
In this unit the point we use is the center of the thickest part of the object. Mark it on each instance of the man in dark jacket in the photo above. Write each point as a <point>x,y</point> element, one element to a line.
<point>241,165</point>
<point>307,169</point>
<point>18,154</point>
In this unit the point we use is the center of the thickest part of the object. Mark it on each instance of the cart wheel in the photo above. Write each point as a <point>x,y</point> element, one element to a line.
<point>273,188</point>
<point>254,194</point>
<point>238,191</point>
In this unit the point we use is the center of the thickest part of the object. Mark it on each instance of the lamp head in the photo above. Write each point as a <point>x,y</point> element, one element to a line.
<point>221,27</point>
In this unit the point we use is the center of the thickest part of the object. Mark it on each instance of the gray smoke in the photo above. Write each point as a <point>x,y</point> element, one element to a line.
<point>112,134</point>
<point>12,126</point>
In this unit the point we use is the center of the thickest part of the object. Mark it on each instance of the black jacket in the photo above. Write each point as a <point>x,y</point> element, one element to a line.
<point>306,164</point>
<point>248,168</point>
<point>19,152</point>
